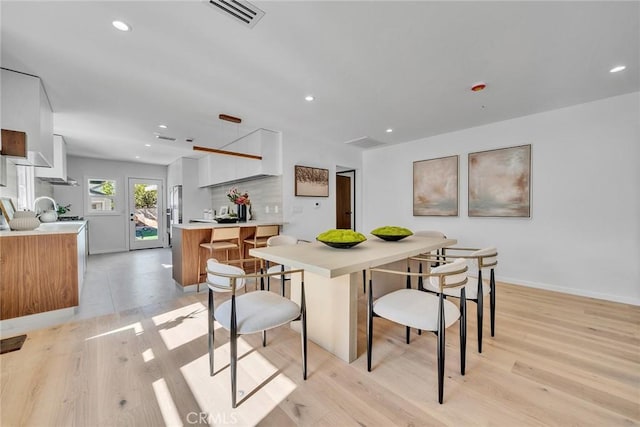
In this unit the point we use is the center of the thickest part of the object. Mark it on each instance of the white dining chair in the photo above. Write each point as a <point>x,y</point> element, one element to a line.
<point>249,313</point>
<point>280,240</point>
<point>477,260</point>
<point>422,310</point>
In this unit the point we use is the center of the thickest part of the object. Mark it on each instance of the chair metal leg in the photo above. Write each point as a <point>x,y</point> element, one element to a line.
<point>264,338</point>
<point>211,332</point>
<point>268,279</point>
<point>364,281</point>
<point>303,315</point>
<point>408,333</point>
<point>369,327</point>
<point>480,310</point>
<point>492,284</point>
<point>463,330</point>
<point>420,286</point>
<point>234,352</point>
<point>441,344</point>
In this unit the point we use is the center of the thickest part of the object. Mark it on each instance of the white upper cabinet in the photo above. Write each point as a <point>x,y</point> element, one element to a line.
<point>214,169</point>
<point>26,108</point>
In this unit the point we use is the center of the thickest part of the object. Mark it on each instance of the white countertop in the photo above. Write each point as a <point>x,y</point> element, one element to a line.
<point>213,224</point>
<point>330,262</point>
<point>60,227</point>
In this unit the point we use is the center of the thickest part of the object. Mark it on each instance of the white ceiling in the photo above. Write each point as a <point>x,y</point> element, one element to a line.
<point>370,64</point>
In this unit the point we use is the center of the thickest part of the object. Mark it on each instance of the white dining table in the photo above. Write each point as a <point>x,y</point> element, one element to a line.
<point>333,278</point>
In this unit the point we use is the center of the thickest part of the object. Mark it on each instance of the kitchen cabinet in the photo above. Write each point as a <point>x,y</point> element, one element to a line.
<point>14,143</point>
<point>214,169</point>
<point>43,269</point>
<point>26,108</point>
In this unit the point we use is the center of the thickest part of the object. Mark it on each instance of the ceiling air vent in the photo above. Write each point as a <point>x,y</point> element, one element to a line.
<point>240,10</point>
<point>165,138</point>
<point>365,142</point>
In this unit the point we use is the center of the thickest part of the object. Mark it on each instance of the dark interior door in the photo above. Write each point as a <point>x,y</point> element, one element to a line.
<point>343,202</point>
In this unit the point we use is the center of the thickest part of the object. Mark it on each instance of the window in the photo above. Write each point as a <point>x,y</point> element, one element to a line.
<point>101,195</point>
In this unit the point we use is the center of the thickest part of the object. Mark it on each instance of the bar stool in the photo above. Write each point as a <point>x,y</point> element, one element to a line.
<point>222,238</point>
<point>260,237</point>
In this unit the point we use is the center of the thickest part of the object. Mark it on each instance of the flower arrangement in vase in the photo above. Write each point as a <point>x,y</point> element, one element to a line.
<point>241,200</point>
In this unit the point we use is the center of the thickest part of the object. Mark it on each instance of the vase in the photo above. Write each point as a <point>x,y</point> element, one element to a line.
<point>242,213</point>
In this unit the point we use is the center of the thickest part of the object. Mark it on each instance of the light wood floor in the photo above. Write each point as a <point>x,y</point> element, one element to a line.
<point>555,360</point>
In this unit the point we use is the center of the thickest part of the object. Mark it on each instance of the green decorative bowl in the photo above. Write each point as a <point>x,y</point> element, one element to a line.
<point>391,233</point>
<point>341,239</point>
<point>340,245</point>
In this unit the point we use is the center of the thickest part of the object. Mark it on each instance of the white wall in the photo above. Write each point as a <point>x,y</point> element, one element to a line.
<point>107,233</point>
<point>302,218</point>
<point>584,233</point>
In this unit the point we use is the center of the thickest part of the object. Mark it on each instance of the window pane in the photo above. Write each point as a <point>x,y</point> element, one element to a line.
<point>102,194</point>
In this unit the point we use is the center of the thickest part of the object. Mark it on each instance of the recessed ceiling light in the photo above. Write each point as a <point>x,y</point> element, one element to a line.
<point>122,26</point>
<point>309,98</point>
<point>162,126</point>
<point>618,68</point>
<point>137,157</point>
<point>147,145</point>
<point>389,130</point>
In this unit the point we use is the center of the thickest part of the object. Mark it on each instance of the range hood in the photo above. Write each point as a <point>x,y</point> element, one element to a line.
<point>57,175</point>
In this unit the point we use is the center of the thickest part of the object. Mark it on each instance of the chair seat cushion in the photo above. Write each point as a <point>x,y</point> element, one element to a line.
<point>277,269</point>
<point>258,311</point>
<point>416,309</point>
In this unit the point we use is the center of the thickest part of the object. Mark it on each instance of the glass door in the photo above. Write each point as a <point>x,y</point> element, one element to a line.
<point>145,214</point>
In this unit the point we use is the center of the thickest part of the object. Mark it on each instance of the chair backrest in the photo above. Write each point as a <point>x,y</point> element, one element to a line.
<point>224,233</point>
<point>453,274</point>
<point>282,240</point>
<point>430,233</point>
<point>216,276</point>
<point>267,231</point>
<point>483,258</point>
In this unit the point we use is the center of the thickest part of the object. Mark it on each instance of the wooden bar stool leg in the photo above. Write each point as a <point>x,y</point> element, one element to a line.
<point>199,270</point>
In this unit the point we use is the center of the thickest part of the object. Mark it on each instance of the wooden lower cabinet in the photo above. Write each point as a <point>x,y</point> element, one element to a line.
<point>38,273</point>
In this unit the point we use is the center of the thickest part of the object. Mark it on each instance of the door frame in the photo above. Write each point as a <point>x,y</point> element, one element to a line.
<point>131,234</point>
<point>351,173</point>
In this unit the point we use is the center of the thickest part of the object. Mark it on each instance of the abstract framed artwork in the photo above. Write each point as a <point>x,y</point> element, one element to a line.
<point>311,182</point>
<point>500,182</point>
<point>435,187</point>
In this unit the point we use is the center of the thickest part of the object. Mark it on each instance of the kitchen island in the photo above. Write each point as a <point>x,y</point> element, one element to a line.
<point>42,270</point>
<point>332,279</point>
<point>185,246</point>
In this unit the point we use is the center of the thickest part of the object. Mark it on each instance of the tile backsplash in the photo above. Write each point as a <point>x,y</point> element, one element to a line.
<point>265,195</point>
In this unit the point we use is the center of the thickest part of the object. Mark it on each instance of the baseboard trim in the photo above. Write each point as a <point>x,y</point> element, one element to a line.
<point>571,291</point>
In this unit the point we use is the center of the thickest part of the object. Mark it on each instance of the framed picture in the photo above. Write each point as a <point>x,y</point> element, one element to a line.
<point>6,205</point>
<point>435,187</point>
<point>500,182</point>
<point>312,182</point>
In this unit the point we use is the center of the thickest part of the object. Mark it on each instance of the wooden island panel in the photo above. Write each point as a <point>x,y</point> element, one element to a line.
<point>186,246</point>
<point>38,273</point>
